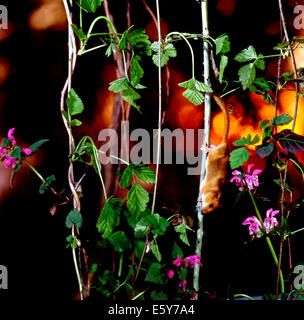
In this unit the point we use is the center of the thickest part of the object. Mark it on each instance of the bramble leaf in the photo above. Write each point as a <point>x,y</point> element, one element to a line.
<point>125,180</point>
<point>119,241</point>
<point>247,75</point>
<point>154,273</point>
<point>119,84</point>
<point>246,141</point>
<point>246,55</point>
<point>238,157</point>
<point>155,250</point>
<point>143,173</point>
<point>109,216</point>
<point>167,51</point>
<point>223,65</point>
<point>138,198</point>
<point>136,71</point>
<point>281,120</point>
<point>89,5</point>
<point>222,44</point>
<point>182,230</point>
<point>74,103</point>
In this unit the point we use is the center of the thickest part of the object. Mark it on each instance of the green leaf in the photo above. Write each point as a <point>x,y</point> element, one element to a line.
<point>139,42</point>
<point>136,70</point>
<point>141,228</point>
<point>131,95</point>
<point>73,218</point>
<point>76,123</point>
<point>247,75</point>
<point>263,124</point>
<point>123,43</point>
<point>264,150</point>
<point>194,96</point>
<point>223,65</point>
<point>155,250</point>
<point>281,120</point>
<point>260,64</point>
<point>182,230</point>
<point>143,173</point>
<point>290,141</point>
<point>109,216</point>
<point>158,295</point>
<point>238,157</point>
<point>222,44</point>
<point>89,5</point>
<point>246,55</point>
<point>138,198</point>
<point>119,84</point>
<point>159,224</point>
<point>167,51</point>
<point>119,241</point>
<point>176,251</point>
<point>246,141</point>
<point>16,153</point>
<point>35,146</point>
<point>154,273</point>
<point>46,184</point>
<point>16,169</point>
<point>79,33</point>
<point>6,142</point>
<point>282,45</point>
<point>74,103</point>
<point>125,180</point>
<point>267,132</point>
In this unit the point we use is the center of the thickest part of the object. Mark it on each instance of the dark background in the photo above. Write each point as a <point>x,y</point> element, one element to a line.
<point>32,242</point>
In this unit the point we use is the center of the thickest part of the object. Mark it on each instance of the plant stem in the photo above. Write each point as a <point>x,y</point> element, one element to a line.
<point>76,265</point>
<point>159,107</point>
<point>200,216</point>
<point>243,295</point>
<point>34,170</point>
<point>274,256</point>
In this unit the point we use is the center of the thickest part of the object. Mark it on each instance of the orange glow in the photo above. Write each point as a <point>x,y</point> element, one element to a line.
<point>49,15</point>
<point>272,28</point>
<point>4,70</point>
<point>5,33</point>
<point>226,7</point>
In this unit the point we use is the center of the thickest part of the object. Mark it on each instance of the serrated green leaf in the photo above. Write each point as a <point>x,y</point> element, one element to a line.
<point>154,273</point>
<point>74,103</point>
<point>6,142</point>
<point>141,228</point>
<point>158,223</point>
<point>136,71</point>
<point>267,131</point>
<point>167,51</point>
<point>79,33</point>
<point>238,157</point>
<point>290,141</point>
<point>139,42</point>
<point>222,44</point>
<point>260,64</point>
<point>131,95</point>
<point>109,216</point>
<point>194,96</point>
<point>46,184</point>
<point>74,218</point>
<point>223,65</point>
<point>281,120</point>
<point>247,75</point>
<point>123,43</point>
<point>201,86</point>
<point>182,230</point>
<point>89,5</point>
<point>119,85</point>
<point>155,250</point>
<point>246,55</point>
<point>119,241</point>
<point>125,180</point>
<point>263,124</point>
<point>138,198</point>
<point>143,173</point>
<point>35,146</point>
<point>246,141</point>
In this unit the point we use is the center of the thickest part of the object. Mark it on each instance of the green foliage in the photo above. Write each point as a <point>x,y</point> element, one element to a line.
<point>155,250</point>
<point>290,141</point>
<point>247,75</point>
<point>79,33</point>
<point>74,218</point>
<point>182,230</point>
<point>154,273</point>
<point>222,44</point>
<point>74,103</point>
<point>158,295</point>
<point>16,153</point>
<point>109,217</point>
<point>167,51</point>
<point>246,141</point>
<point>89,5</point>
<point>126,177</point>
<point>176,251</point>
<point>138,198</point>
<point>195,89</point>
<point>238,157</point>
<point>223,65</point>
<point>144,173</point>
<point>281,120</point>
<point>46,184</point>
<point>263,87</point>
<point>35,146</point>
<point>136,71</point>
<point>264,150</point>
<point>119,241</point>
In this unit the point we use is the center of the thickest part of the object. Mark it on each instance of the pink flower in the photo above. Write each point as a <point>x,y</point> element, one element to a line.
<point>178,261</point>
<point>170,274</point>
<point>270,222</point>
<point>27,151</point>
<point>195,259</point>
<point>193,295</point>
<point>10,161</point>
<point>10,135</point>
<point>252,180</point>
<point>239,181</point>
<point>255,226</point>
<point>3,150</point>
<point>183,285</point>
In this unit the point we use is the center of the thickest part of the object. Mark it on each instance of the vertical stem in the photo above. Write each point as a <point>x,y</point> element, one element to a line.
<point>200,217</point>
<point>159,106</point>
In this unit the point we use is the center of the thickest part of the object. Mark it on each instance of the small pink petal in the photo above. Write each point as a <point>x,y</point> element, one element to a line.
<point>27,151</point>
<point>170,274</point>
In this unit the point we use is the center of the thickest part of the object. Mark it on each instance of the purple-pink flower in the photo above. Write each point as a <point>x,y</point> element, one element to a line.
<point>195,259</point>
<point>178,261</point>
<point>10,161</point>
<point>183,285</point>
<point>250,179</point>
<point>27,151</point>
<point>170,274</point>
<point>255,226</point>
<point>11,136</point>
<point>270,222</point>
